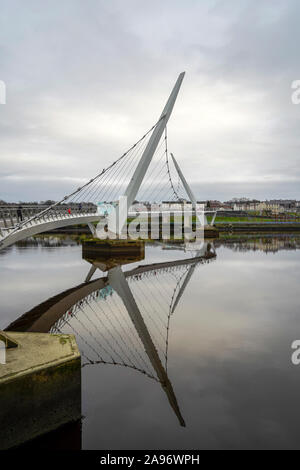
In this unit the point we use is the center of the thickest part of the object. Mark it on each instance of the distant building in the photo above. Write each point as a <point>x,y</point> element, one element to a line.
<point>246,205</point>
<point>286,204</point>
<point>219,206</point>
<point>179,205</point>
<point>274,205</point>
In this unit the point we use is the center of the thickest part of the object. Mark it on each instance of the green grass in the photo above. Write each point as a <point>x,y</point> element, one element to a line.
<point>256,220</point>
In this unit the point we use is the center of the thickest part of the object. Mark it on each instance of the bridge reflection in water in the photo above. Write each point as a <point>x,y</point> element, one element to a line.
<point>122,318</point>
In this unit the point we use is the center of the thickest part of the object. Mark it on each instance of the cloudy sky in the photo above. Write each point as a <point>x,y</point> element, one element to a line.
<point>85,79</point>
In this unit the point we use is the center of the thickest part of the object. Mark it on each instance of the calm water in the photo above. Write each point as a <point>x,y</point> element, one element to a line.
<point>221,329</point>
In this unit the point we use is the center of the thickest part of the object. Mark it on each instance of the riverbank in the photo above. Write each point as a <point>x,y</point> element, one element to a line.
<point>252,227</point>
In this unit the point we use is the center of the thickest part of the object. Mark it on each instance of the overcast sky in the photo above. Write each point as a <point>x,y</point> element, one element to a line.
<point>85,79</point>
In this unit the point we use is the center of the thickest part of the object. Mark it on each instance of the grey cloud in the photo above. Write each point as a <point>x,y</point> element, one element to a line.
<point>86,79</point>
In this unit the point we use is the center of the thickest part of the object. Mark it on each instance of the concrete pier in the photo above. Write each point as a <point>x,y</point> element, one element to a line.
<point>211,231</point>
<point>40,386</point>
<point>110,248</point>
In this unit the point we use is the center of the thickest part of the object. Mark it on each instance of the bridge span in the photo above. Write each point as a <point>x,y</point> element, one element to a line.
<point>123,178</point>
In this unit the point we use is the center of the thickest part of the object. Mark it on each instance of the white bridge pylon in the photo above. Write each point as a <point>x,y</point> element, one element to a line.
<point>54,217</point>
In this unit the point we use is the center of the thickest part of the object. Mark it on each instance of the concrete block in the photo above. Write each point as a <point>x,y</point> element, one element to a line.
<point>40,386</point>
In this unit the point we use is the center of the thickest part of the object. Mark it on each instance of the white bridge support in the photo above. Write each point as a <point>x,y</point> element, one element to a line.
<point>143,165</point>
<point>185,184</point>
<point>92,228</point>
<point>201,215</point>
<point>214,218</point>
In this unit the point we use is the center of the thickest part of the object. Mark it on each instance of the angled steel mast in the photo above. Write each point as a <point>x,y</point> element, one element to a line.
<point>143,165</point>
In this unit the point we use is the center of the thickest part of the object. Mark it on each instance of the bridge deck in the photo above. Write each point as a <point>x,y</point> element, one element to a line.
<point>34,227</point>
